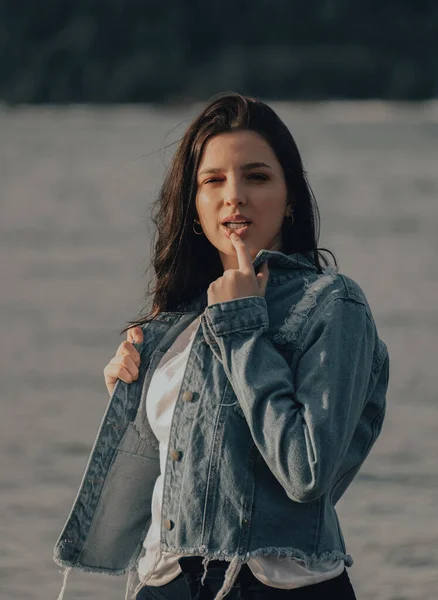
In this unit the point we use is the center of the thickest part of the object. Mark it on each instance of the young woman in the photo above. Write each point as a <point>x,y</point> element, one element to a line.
<point>243,405</point>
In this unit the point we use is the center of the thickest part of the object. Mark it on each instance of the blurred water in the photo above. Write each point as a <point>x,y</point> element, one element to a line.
<point>75,238</point>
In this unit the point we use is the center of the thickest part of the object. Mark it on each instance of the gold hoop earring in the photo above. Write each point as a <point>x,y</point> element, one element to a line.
<point>193,227</point>
<point>289,221</point>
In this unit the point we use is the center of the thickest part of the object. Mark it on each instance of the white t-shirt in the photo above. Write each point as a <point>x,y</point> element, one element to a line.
<point>160,403</point>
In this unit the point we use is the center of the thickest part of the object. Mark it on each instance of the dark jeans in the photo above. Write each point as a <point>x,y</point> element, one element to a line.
<point>187,586</point>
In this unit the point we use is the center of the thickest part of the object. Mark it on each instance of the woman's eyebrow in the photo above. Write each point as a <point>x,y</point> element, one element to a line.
<point>245,167</point>
<point>254,165</point>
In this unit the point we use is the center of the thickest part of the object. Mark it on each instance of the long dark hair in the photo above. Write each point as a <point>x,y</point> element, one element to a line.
<point>185,263</point>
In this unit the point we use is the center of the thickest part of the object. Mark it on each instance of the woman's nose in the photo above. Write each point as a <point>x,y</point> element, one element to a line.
<point>234,192</point>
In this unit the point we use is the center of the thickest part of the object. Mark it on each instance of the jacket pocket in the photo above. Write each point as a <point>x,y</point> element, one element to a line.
<point>139,444</point>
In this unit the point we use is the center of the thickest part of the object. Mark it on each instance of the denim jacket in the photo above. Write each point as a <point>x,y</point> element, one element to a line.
<point>282,399</point>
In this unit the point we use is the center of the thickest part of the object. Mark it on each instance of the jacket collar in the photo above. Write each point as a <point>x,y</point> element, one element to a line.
<point>281,267</point>
<point>291,261</point>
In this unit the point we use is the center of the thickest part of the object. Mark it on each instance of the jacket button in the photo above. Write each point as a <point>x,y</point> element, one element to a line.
<point>187,396</point>
<point>175,454</point>
<point>168,524</point>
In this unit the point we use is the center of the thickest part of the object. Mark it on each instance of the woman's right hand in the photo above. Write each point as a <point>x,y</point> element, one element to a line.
<point>126,362</point>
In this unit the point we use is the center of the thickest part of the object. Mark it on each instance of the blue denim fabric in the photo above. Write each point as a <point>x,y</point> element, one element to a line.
<point>281,401</point>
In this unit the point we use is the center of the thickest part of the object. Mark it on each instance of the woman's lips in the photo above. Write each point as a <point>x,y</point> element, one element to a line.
<point>242,231</point>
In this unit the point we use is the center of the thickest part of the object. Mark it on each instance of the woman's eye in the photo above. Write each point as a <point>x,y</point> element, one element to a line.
<point>258,176</point>
<point>254,176</point>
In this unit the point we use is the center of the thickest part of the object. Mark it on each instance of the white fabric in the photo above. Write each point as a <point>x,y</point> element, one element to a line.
<point>160,403</point>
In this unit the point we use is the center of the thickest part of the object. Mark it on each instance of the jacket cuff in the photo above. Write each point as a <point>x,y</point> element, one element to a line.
<point>239,314</point>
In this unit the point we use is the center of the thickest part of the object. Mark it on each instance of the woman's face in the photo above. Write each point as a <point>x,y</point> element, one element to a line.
<point>239,173</point>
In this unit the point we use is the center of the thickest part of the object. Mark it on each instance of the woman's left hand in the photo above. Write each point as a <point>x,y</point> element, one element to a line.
<point>241,282</point>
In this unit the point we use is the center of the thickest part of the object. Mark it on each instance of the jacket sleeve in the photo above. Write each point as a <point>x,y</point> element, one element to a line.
<point>302,421</point>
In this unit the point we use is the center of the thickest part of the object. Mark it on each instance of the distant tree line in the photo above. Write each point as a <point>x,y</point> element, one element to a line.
<point>176,50</point>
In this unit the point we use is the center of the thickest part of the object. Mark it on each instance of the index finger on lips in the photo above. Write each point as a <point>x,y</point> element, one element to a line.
<point>243,254</point>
